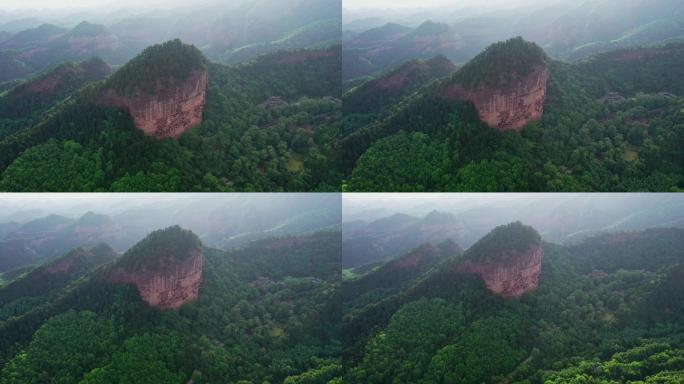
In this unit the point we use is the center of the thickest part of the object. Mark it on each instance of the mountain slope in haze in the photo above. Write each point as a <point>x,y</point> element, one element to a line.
<point>238,319</point>
<point>448,326</point>
<point>25,104</point>
<point>33,51</point>
<point>567,31</point>
<point>44,239</point>
<point>275,120</point>
<point>615,110</point>
<point>228,32</point>
<point>374,95</point>
<point>45,282</point>
<point>389,237</point>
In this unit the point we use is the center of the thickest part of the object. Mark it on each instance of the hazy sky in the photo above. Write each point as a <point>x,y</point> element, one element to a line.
<point>454,4</point>
<point>60,4</point>
<point>355,4</point>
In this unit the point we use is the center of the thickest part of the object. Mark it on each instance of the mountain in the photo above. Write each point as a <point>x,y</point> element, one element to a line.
<point>230,314</point>
<point>567,31</point>
<point>391,87</point>
<point>397,274</point>
<point>165,267</point>
<point>24,104</point>
<point>507,84</point>
<point>438,138</point>
<point>227,32</point>
<point>508,259</point>
<point>379,49</point>
<point>275,25</point>
<point>454,324</point>
<point>601,26</point>
<point>391,236</point>
<point>286,104</point>
<point>164,89</point>
<point>33,51</point>
<point>44,239</point>
<point>45,282</point>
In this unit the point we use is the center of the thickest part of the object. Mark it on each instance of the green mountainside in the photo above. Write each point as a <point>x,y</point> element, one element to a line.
<point>278,324</point>
<point>611,123</point>
<point>172,243</point>
<point>600,314</point>
<point>511,237</point>
<point>269,124</point>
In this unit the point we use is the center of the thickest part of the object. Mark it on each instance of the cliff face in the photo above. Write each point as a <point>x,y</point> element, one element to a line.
<point>168,286</point>
<point>170,112</point>
<point>515,276</point>
<point>509,108</point>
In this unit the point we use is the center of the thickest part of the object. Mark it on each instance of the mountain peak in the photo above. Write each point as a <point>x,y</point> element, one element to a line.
<point>508,259</point>
<point>89,29</point>
<point>164,89</point>
<point>507,84</point>
<point>166,267</point>
<point>436,217</point>
<point>430,27</point>
<point>501,64</point>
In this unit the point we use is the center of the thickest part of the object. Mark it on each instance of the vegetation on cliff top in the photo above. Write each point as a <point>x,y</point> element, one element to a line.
<point>501,241</point>
<point>161,65</point>
<point>170,243</point>
<point>500,63</point>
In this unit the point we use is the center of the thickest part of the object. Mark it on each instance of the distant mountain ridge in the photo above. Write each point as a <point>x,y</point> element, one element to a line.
<point>222,34</point>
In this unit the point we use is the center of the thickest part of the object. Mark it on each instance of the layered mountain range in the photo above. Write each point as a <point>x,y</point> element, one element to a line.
<point>569,31</point>
<point>27,243</point>
<point>493,312</point>
<point>164,93</point>
<point>441,127</point>
<point>165,292</point>
<point>217,28</point>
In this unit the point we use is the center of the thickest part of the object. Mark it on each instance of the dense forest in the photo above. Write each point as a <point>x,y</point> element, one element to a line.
<point>269,124</point>
<point>606,311</point>
<point>611,123</point>
<point>255,321</point>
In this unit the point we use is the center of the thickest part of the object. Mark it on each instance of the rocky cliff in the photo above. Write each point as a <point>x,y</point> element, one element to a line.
<point>166,267</point>
<point>507,83</point>
<point>168,286</point>
<point>512,107</point>
<point>170,111</point>
<point>509,259</point>
<point>515,276</point>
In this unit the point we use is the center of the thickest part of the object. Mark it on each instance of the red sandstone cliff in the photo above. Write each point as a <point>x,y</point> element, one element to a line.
<point>170,111</point>
<point>170,284</point>
<point>512,107</point>
<point>518,274</point>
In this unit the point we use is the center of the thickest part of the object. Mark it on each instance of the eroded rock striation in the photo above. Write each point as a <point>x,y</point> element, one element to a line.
<point>170,285</point>
<point>508,259</point>
<point>170,111</point>
<point>515,276</point>
<point>509,108</point>
<point>165,267</point>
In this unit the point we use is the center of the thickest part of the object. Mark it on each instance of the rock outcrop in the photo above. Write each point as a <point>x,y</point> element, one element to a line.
<point>512,107</point>
<point>515,276</point>
<point>508,259</point>
<point>168,286</point>
<point>168,113</point>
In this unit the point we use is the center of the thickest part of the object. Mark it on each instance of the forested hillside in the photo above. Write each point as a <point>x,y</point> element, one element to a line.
<point>600,314</point>
<point>254,321</point>
<point>268,125</point>
<point>612,123</point>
